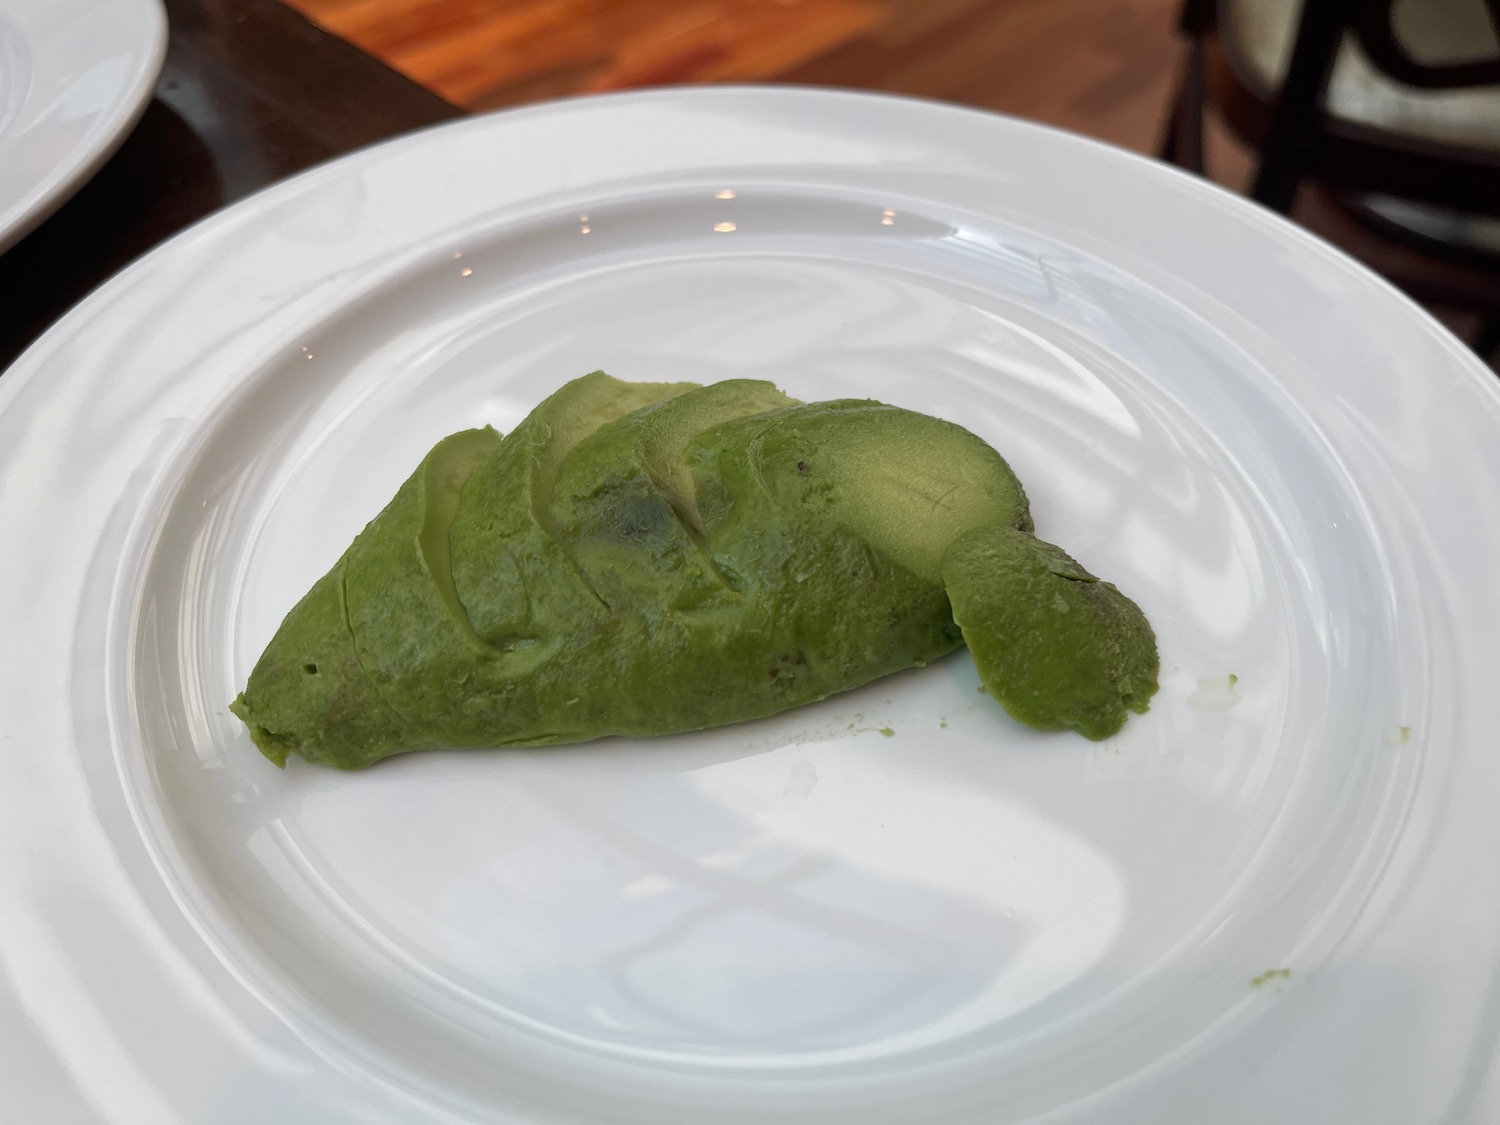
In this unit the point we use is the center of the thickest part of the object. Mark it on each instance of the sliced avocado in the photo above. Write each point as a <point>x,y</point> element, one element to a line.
<point>649,558</point>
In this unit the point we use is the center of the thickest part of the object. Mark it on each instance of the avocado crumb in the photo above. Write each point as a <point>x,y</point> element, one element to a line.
<point>1268,976</point>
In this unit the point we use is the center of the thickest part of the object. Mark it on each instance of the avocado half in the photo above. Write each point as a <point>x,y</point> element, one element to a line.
<point>646,558</point>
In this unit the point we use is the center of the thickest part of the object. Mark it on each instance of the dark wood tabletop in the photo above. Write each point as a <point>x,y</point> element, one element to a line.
<point>250,93</point>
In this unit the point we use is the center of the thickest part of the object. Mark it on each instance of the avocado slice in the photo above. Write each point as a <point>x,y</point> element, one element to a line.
<point>648,558</point>
<point>906,483</point>
<point>506,557</point>
<point>626,504</point>
<point>383,622</point>
<point>1057,647</point>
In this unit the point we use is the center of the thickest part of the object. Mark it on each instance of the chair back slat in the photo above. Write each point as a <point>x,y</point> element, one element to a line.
<point>1375,27</point>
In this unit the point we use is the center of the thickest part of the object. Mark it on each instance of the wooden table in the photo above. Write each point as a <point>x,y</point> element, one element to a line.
<point>250,92</point>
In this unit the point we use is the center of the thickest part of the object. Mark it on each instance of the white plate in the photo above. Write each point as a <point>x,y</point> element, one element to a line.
<point>74,76</point>
<point>1272,900</point>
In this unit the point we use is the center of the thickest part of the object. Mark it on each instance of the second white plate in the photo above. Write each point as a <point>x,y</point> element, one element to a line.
<point>74,76</point>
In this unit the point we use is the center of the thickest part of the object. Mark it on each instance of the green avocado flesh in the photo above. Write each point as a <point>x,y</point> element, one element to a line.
<point>646,558</point>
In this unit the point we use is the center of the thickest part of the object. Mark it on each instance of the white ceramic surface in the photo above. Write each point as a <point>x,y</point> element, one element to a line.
<point>74,76</point>
<point>1270,899</point>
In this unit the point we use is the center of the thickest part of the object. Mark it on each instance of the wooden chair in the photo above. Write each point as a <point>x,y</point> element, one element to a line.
<point>1392,107</point>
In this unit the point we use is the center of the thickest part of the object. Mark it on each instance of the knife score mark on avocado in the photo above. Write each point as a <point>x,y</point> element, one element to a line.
<point>647,558</point>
